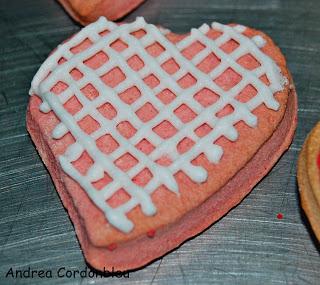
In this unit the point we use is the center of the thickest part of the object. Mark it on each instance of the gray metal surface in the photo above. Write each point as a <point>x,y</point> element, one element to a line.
<point>248,246</point>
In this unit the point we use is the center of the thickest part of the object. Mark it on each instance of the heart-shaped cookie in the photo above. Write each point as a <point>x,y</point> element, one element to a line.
<point>151,136</point>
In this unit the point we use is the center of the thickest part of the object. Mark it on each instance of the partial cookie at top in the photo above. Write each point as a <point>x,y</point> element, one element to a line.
<point>86,12</point>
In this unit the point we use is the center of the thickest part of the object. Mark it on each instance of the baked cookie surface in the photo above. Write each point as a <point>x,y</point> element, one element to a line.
<point>151,136</point>
<point>86,12</point>
<point>309,178</point>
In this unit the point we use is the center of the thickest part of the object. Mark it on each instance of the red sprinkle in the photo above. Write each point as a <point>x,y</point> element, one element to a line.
<point>151,233</point>
<point>280,216</point>
<point>318,160</point>
<point>112,246</point>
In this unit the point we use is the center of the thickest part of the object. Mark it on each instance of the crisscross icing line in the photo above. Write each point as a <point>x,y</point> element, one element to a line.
<point>43,82</point>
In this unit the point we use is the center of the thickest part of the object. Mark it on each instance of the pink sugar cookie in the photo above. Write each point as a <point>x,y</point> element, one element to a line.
<point>150,136</point>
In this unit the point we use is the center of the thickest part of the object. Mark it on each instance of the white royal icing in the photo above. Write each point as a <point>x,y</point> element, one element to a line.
<point>42,84</point>
<point>240,28</point>
<point>164,31</point>
<point>259,41</point>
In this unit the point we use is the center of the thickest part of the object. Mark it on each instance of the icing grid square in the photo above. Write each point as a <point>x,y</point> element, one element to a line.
<point>161,175</point>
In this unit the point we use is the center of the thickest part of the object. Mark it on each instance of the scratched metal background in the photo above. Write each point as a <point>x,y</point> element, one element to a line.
<point>248,246</point>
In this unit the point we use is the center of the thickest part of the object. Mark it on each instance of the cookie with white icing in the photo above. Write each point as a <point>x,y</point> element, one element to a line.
<point>309,178</point>
<point>151,136</point>
<point>86,12</point>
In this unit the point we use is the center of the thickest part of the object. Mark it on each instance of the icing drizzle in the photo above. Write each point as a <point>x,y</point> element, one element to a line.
<point>162,175</point>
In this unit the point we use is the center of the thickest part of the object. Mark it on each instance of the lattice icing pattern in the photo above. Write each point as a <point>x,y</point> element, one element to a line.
<point>51,72</point>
